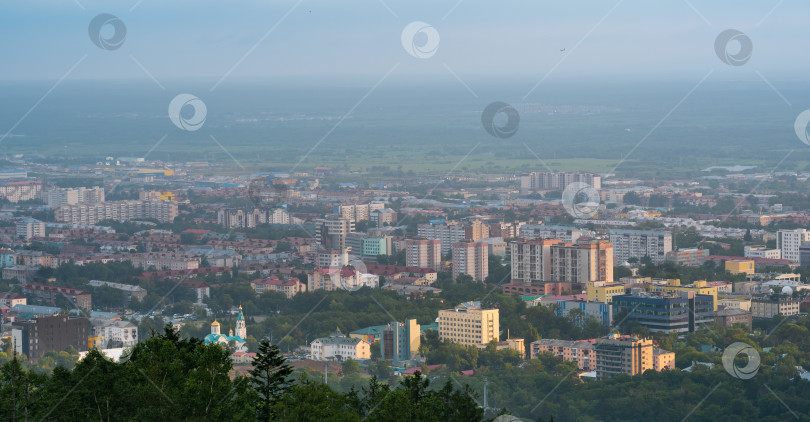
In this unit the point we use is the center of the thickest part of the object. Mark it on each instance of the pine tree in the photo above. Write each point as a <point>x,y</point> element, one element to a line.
<point>269,378</point>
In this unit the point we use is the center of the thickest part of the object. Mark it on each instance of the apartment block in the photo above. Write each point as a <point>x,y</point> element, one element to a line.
<point>692,257</point>
<point>339,347</point>
<point>622,355</point>
<point>88,214</point>
<point>762,252</point>
<point>469,325</point>
<point>789,242</point>
<point>79,298</point>
<point>446,232</point>
<point>579,351</point>
<point>568,234</point>
<point>35,337</point>
<point>471,258</point>
<point>540,181</point>
<point>59,197</point>
<point>772,305</point>
<point>289,287</point>
<point>28,228</point>
<point>553,260</point>
<point>476,230</point>
<point>332,231</point>
<point>241,219</point>
<point>400,341</point>
<point>423,253</point>
<point>20,191</point>
<point>358,212</point>
<point>640,243</point>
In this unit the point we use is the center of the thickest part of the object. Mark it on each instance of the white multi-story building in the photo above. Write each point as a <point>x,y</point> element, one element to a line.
<point>88,214</point>
<point>447,232</point>
<point>29,227</point>
<point>358,212</point>
<point>789,241</point>
<point>471,258</point>
<point>20,191</point>
<point>541,231</point>
<point>339,347</point>
<point>640,243</point>
<point>762,252</point>
<point>59,197</point>
<point>120,333</point>
<point>539,181</point>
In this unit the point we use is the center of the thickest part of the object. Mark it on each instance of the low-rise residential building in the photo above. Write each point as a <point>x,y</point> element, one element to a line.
<point>289,287</point>
<point>772,305</point>
<point>663,359</point>
<point>600,291</point>
<point>762,252</point>
<point>730,316</point>
<point>740,266</point>
<point>692,257</point>
<point>339,347</point>
<point>579,351</point>
<point>115,333</point>
<point>131,291</point>
<point>49,294</point>
<point>10,299</point>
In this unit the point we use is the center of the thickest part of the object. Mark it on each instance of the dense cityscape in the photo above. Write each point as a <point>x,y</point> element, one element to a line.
<point>295,212</point>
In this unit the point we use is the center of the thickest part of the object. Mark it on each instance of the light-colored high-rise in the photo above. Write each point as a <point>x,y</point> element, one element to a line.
<point>331,231</point>
<point>424,253</point>
<point>471,258</point>
<point>447,232</point>
<point>74,196</point>
<point>552,260</point>
<point>469,325</point>
<point>640,243</point>
<point>789,241</point>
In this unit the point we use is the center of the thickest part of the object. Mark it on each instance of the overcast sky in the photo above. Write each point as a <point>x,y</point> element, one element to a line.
<point>205,39</point>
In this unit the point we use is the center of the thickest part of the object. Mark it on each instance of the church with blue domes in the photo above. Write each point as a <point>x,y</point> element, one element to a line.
<point>237,337</point>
